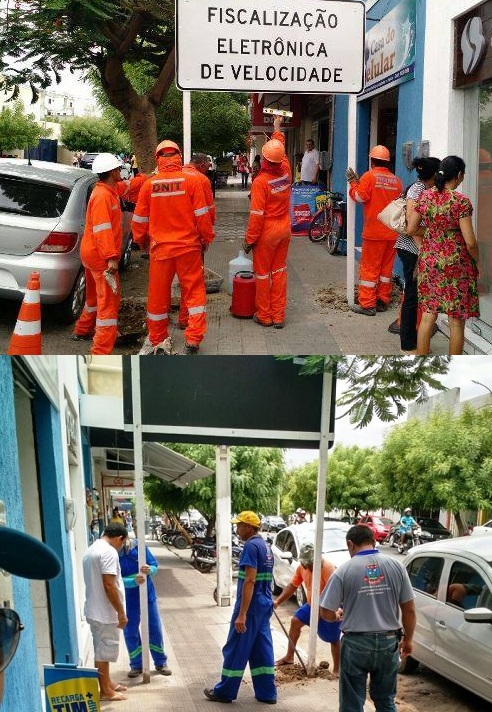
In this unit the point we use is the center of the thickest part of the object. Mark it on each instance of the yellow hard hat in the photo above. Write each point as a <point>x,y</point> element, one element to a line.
<point>247,518</point>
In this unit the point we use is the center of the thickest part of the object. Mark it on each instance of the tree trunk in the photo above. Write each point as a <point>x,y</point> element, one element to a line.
<point>139,111</point>
<point>460,523</point>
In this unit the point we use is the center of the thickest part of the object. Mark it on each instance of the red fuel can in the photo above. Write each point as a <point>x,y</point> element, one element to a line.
<point>243,295</point>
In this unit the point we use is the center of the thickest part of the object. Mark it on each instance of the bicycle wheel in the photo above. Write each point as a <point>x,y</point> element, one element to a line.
<point>320,226</point>
<point>334,237</point>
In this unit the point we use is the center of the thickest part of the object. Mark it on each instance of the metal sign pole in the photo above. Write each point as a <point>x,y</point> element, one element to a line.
<point>351,161</point>
<point>324,444</point>
<point>140,513</point>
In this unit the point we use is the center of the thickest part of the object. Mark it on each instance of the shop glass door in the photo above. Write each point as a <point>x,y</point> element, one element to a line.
<point>484,209</point>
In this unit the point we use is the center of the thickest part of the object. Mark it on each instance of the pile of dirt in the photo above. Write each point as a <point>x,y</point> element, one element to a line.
<point>131,318</point>
<point>329,298</point>
<point>295,673</point>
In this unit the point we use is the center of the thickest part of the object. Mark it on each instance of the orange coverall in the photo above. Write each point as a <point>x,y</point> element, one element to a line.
<point>375,189</point>
<point>173,214</point>
<point>269,234</point>
<point>207,189</point>
<point>101,242</point>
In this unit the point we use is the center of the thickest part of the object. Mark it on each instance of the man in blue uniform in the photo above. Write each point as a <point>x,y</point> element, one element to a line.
<point>250,637</point>
<point>132,577</point>
<point>406,522</point>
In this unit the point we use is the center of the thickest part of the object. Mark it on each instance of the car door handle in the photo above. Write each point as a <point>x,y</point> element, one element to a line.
<point>441,624</point>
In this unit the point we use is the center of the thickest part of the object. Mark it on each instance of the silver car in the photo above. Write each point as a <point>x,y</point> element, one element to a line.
<point>42,217</point>
<point>452,581</point>
<point>287,543</point>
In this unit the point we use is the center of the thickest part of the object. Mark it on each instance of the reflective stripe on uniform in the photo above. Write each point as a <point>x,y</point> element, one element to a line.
<point>157,317</point>
<point>232,673</point>
<point>264,670</point>
<point>358,198</point>
<point>262,276</point>
<point>89,310</point>
<point>278,180</point>
<point>27,328</point>
<point>106,322</point>
<point>256,212</point>
<point>281,269</point>
<point>197,310</point>
<point>365,283</point>
<point>140,219</point>
<point>201,211</point>
<point>385,279</point>
<point>101,227</point>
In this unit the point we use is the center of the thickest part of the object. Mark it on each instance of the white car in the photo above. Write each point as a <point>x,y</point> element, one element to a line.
<point>288,542</point>
<point>482,529</point>
<point>452,581</point>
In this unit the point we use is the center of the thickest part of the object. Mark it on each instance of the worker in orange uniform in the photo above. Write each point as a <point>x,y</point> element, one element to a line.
<point>375,189</point>
<point>100,253</point>
<point>199,166</point>
<point>173,216</point>
<point>268,233</point>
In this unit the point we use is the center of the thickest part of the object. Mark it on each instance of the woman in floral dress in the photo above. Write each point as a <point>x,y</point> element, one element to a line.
<point>447,270</point>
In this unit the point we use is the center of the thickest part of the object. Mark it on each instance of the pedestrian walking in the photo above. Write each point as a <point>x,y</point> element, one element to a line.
<point>375,189</point>
<point>172,216</point>
<point>447,268</point>
<point>407,249</point>
<point>269,230</point>
<point>244,170</point>
<point>133,577</point>
<point>374,590</point>
<point>329,632</point>
<point>310,164</point>
<point>100,251</point>
<point>250,637</point>
<point>105,604</point>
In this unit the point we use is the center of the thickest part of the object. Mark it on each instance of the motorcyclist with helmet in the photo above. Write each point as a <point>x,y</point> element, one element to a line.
<point>406,523</point>
<point>300,516</point>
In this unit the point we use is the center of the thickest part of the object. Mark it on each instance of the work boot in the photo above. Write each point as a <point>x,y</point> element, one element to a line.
<point>210,695</point>
<point>163,669</point>
<point>164,348</point>
<point>191,349</point>
<point>278,324</point>
<point>394,327</point>
<point>381,306</point>
<point>147,348</point>
<point>367,311</point>
<point>261,323</point>
<point>81,337</point>
<point>134,673</point>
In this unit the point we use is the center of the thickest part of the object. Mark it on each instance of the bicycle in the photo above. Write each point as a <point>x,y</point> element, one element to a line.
<point>328,223</point>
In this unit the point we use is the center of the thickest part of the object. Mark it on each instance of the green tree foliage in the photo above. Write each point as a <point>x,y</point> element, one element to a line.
<point>18,129</point>
<point>443,462</point>
<point>380,385</point>
<point>256,474</point>
<point>38,40</point>
<point>219,121</point>
<point>94,135</point>
<point>353,482</point>
<point>300,488</point>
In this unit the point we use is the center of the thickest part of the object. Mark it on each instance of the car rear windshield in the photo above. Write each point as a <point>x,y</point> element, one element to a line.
<point>22,196</point>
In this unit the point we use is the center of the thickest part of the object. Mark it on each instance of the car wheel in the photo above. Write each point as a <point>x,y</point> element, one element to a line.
<point>391,540</point>
<point>408,665</point>
<point>127,254</point>
<point>69,310</point>
<point>300,596</point>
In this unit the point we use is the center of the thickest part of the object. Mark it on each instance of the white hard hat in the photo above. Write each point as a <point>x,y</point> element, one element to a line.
<point>105,162</point>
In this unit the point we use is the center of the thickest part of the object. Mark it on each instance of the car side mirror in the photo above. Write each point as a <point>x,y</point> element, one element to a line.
<point>287,555</point>
<point>478,615</point>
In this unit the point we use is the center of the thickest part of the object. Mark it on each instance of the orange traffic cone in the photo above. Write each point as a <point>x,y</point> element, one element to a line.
<point>26,339</point>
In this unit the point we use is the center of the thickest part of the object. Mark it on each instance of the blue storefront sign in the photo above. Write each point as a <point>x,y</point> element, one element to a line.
<point>69,688</point>
<point>390,49</point>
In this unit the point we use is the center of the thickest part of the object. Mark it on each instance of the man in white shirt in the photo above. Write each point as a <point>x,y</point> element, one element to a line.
<point>105,604</point>
<point>310,163</point>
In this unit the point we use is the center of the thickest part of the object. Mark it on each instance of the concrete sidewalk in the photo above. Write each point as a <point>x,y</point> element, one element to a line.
<point>318,320</point>
<point>195,631</point>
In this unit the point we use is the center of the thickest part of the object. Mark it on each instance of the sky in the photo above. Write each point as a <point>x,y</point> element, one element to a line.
<point>462,372</point>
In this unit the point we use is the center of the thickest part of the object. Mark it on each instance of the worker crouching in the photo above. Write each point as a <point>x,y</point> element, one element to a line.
<point>268,233</point>
<point>172,218</point>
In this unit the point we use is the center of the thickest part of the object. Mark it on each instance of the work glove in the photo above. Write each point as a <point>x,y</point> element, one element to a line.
<point>247,247</point>
<point>351,175</point>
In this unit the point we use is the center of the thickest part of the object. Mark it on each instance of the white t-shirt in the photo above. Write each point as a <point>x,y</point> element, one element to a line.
<point>309,165</point>
<point>101,558</point>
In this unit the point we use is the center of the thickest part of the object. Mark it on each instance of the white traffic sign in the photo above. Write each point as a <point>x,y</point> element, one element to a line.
<point>313,47</point>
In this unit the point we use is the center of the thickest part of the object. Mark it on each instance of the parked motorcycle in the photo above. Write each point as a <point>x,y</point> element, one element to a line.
<point>412,538</point>
<point>155,530</point>
<point>204,555</point>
